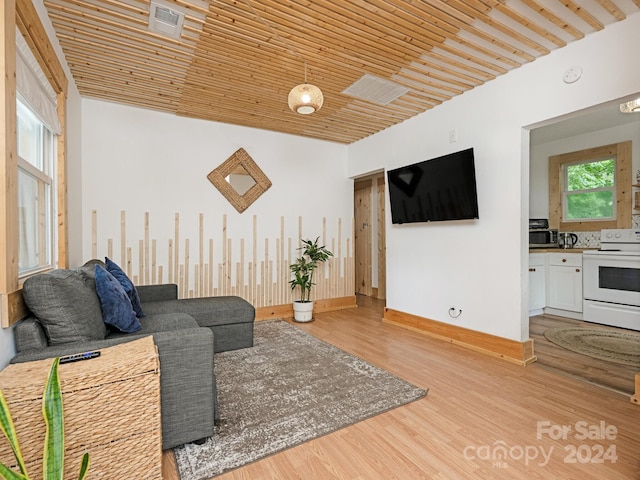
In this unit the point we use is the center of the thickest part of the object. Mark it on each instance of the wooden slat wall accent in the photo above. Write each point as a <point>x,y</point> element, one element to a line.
<point>245,268</point>
<point>319,306</point>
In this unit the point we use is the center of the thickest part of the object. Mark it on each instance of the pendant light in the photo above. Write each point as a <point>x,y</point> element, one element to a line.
<point>305,98</point>
<point>631,107</point>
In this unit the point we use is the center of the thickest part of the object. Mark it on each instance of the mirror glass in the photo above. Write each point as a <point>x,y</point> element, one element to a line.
<point>240,180</point>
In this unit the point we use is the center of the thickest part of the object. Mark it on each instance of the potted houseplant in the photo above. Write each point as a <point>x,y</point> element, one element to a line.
<point>302,270</point>
<point>53,457</point>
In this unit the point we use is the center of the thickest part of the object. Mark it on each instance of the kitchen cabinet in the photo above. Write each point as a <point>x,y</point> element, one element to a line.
<point>564,281</point>
<point>537,281</point>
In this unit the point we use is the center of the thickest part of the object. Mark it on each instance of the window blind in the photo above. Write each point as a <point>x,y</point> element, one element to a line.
<point>34,88</point>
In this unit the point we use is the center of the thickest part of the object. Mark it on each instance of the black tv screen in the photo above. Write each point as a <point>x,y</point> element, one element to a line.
<point>439,189</point>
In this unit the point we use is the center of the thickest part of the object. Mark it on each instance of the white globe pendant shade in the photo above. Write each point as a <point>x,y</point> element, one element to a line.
<point>305,99</point>
<point>630,107</point>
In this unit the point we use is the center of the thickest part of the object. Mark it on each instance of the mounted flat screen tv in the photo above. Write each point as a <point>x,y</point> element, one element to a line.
<point>435,190</point>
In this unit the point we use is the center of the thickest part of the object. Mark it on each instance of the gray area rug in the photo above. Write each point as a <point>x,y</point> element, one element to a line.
<point>613,346</point>
<point>288,388</point>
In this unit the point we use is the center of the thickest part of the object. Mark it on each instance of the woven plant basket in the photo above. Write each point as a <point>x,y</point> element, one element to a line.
<point>111,410</point>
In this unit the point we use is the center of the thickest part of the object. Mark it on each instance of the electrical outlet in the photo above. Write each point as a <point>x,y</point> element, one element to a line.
<point>453,136</point>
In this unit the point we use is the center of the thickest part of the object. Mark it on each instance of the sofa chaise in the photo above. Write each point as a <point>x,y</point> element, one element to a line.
<point>68,316</point>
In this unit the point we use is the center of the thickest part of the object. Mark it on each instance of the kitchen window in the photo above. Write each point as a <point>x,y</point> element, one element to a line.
<point>587,188</point>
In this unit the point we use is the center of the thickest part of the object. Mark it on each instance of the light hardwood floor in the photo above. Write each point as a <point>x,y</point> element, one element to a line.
<point>611,375</point>
<point>476,405</point>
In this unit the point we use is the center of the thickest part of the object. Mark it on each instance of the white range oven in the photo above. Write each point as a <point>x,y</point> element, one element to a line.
<point>611,280</point>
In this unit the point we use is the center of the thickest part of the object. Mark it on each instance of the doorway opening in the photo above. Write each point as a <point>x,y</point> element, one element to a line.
<point>369,235</point>
<point>585,130</point>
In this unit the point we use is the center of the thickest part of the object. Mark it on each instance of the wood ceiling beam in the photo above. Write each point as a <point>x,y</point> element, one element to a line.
<point>95,39</point>
<point>113,55</point>
<point>525,22</point>
<point>130,10</point>
<point>237,59</point>
<point>612,9</point>
<point>447,73</point>
<point>454,67</point>
<point>453,26</point>
<point>583,14</point>
<point>480,12</point>
<point>82,24</point>
<point>117,96</point>
<point>87,66</point>
<point>560,23</point>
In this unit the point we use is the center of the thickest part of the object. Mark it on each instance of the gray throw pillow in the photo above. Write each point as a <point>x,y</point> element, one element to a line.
<point>88,272</point>
<point>66,305</point>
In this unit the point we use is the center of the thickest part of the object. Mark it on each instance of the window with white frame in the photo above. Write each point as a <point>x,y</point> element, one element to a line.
<point>37,129</point>
<point>589,190</point>
<point>36,151</point>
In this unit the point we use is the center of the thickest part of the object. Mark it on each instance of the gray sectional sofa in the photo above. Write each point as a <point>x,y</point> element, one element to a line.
<point>67,318</point>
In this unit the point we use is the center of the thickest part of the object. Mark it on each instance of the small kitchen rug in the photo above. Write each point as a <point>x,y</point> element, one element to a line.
<point>290,387</point>
<point>613,346</point>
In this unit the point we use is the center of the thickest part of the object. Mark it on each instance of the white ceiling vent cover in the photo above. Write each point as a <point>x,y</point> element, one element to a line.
<point>376,90</point>
<point>165,20</point>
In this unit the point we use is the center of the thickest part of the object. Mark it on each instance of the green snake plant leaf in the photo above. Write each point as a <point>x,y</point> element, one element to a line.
<point>53,458</point>
<point>9,474</point>
<point>9,430</point>
<point>84,466</point>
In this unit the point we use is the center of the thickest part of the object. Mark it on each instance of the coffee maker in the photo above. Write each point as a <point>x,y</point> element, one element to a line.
<point>567,240</point>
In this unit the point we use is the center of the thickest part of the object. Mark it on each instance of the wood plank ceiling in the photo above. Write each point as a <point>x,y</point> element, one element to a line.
<point>237,60</point>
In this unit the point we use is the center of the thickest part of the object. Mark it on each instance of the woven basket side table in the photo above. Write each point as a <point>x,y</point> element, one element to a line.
<point>111,410</point>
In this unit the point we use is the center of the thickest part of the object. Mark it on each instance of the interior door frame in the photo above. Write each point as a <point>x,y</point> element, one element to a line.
<point>375,185</point>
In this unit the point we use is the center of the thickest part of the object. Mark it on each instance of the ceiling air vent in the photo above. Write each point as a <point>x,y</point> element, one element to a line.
<point>165,20</point>
<point>376,90</point>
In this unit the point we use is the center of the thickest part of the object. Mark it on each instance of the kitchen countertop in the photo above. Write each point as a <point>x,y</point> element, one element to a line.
<point>560,250</point>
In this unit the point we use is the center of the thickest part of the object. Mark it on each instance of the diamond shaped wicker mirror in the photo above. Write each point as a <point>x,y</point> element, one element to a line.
<point>240,180</point>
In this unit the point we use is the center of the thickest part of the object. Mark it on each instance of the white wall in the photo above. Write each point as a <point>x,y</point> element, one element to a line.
<point>479,266</point>
<point>539,167</point>
<point>139,161</point>
<point>7,346</point>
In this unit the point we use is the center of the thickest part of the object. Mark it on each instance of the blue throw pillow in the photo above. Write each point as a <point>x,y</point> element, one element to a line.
<point>126,283</point>
<point>116,306</point>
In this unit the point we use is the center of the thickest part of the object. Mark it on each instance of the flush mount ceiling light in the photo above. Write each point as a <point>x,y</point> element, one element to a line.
<point>305,98</point>
<point>632,106</point>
